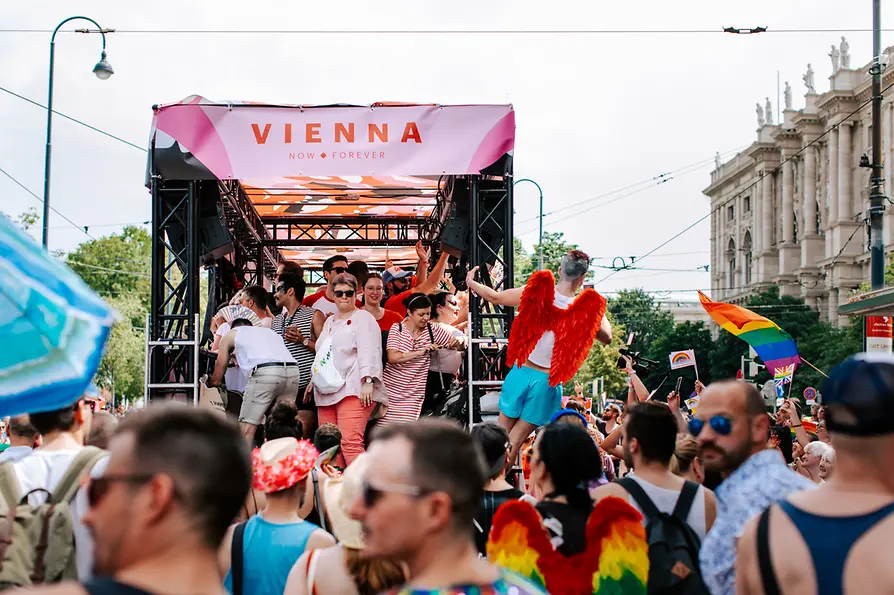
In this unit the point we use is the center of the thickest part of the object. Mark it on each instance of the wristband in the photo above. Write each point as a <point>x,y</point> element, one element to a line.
<point>797,426</point>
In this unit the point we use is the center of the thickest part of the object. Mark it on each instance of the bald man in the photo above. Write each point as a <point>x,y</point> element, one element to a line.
<point>835,538</point>
<point>732,429</point>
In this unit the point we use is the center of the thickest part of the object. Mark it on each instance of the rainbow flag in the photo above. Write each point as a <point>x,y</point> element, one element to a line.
<point>773,345</point>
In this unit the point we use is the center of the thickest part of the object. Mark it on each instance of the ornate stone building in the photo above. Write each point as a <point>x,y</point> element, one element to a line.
<point>799,223</point>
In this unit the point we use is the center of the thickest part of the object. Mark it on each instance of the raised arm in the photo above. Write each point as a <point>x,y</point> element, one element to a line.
<point>422,266</point>
<point>434,277</point>
<point>604,335</point>
<point>510,297</point>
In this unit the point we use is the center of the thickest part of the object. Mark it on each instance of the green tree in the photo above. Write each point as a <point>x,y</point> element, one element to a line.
<point>601,362</point>
<point>122,366</point>
<point>554,248</point>
<point>25,220</point>
<point>637,312</point>
<point>685,335</point>
<point>117,264</point>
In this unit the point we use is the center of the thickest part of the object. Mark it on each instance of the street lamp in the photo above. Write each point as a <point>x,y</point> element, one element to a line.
<point>540,243</point>
<point>102,70</point>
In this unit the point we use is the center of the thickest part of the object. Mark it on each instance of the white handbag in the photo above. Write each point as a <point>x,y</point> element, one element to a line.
<point>326,377</point>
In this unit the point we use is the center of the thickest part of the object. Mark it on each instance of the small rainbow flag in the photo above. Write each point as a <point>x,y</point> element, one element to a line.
<point>773,345</point>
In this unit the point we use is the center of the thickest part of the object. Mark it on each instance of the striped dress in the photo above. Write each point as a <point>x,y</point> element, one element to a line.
<point>406,382</point>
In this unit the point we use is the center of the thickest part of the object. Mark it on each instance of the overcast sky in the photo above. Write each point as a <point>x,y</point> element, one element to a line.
<point>595,113</point>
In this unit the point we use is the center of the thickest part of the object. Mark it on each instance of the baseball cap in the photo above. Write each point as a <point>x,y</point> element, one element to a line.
<point>395,273</point>
<point>858,396</point>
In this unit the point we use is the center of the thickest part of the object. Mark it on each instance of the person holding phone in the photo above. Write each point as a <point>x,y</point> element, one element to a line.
<point>410,345</point>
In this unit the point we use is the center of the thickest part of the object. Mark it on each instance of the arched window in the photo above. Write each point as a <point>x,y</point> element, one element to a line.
<point>731,265</point>
<point>746,248</point>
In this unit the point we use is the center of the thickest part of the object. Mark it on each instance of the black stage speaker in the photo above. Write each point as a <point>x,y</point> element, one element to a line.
<point>214,237</point>
<point>456,234</point>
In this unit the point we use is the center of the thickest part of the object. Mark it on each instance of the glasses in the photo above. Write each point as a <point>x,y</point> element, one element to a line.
<point>346,293</point>
<point>721,425</point>
<point>453,302</point>
<point>372,494</point>
<point>339,270</point>
<point>281,289</point>
<point>98,487</point>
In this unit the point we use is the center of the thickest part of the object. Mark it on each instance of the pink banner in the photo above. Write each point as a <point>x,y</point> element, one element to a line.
<point>249,141</point>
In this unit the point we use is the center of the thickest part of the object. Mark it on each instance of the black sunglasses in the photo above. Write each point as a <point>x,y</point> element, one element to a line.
<point>339,270</point>
<point>98,487</point>
<point>282,289</point>
<point>346,293</point>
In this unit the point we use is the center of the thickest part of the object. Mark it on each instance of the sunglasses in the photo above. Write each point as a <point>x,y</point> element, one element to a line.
<point>720,424</point>
<point>453,302</point>
<point>372,494</point>
<point>339,270</point>
<point>346,293</point>
<point>281,289</point>
<point>98,487</point>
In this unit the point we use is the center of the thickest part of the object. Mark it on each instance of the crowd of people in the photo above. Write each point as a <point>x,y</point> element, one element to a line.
<point>326,478</point>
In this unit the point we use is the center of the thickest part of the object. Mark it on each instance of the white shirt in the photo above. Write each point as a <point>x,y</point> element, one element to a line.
<point>235,378</point>
<point>258,345</point>
<point>665,500</point>
<point>14,453</point>
<point>447,361</point>
<point>325,306</point>
<point>543,352</point>
<point>44,469</point>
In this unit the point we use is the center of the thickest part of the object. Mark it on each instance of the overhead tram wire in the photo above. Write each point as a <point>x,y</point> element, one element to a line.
<point>652,181</point>
<point>506,32</point>
<point>75,120</point>
<point>756,182</point>
<point>28,190</point>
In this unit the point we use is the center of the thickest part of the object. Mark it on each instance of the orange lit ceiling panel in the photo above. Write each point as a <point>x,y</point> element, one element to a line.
<point>376,196</point>
<point>373,257</point>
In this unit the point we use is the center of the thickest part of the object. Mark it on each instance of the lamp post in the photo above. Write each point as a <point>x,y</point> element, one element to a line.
<point>540,242</point>
<point>102,70</point>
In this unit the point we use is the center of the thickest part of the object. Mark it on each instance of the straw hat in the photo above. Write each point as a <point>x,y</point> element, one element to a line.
<point>338,494</point>
<point>280,464</point>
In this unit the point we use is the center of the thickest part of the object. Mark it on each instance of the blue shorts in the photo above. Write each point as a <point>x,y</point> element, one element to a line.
<point>528,396</point>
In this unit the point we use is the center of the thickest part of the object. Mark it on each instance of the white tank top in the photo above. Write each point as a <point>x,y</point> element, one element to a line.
<point>665,500</point>
<point>543,351</point>
<point>256,345</point>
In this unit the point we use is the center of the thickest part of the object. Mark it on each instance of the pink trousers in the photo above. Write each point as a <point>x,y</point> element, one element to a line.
<point>351,418</point>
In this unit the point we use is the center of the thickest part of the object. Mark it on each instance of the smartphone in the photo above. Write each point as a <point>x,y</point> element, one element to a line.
<point>679,384</point>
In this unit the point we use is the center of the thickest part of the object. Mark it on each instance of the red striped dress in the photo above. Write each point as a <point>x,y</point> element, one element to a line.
<point>406,382</point>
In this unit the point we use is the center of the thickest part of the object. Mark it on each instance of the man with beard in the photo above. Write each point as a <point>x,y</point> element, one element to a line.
<point>421,491</point>
<point>732,429</point>
<point>175,480</point>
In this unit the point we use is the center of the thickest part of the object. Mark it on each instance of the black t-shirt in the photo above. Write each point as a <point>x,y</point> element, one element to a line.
<point>566,526</point>
<point>487,508</point>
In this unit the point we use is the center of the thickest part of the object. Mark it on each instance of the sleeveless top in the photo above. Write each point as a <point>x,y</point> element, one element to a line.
<point>269,552</point>
<point>665,500</point>
<point>108,586</point>
<point>543,350</point>
<point>830,540</point>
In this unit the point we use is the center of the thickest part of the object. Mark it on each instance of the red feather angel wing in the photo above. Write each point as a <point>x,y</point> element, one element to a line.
<point>575,329</point>
<point>533,319</point>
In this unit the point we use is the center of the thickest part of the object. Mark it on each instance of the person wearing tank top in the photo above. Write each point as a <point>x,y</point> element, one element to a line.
<point>528,398</point>
<point>650,438</point>
<point>834,538</point>
<point>274,373</point>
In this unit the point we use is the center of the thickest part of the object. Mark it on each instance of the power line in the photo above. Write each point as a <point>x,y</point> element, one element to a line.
<point>758,181</point>
<point>318,32</point>
<point>108,270</point>
<point>75,120</point>
<point>26,189</point>
<point>106,225</point>
<point>653,181</point>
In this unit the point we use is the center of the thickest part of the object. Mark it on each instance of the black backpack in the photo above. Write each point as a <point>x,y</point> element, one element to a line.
<point>673,545</point>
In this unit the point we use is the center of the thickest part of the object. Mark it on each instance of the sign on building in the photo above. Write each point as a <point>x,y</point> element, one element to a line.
<point>878,333</point>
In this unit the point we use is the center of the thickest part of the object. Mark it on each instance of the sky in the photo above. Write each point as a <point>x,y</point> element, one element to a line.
<point>596,113</point>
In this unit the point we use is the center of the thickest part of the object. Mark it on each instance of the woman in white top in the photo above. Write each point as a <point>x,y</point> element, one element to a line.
<point>356,351</point>
<point>445,364</point>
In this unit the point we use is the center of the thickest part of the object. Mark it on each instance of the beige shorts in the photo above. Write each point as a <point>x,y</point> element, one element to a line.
<point>263,387</point>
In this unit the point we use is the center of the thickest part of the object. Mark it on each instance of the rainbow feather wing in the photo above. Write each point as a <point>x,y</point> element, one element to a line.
<point>623,551</point>
<point>614,562</point>
<point>518,540</point>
